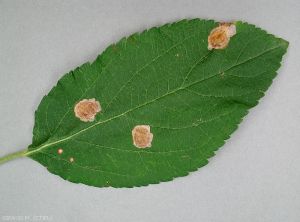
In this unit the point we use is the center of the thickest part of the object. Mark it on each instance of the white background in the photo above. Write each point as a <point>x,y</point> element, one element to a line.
<point>255,177</point>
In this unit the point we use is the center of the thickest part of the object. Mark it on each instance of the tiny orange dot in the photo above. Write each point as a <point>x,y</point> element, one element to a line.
<point>60,151</point>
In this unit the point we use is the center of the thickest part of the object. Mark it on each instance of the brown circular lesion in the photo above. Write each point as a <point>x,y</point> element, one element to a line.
<point>220,36</point>
<point>141,136</point>
<point>87,109</point>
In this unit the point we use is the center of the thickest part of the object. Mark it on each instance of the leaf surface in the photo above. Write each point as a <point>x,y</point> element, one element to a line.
<point>165,77</point>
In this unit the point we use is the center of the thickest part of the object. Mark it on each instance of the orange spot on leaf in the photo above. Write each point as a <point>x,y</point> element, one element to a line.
<point>87,109</point>
<point>219,37</point>
<point>142,137</point>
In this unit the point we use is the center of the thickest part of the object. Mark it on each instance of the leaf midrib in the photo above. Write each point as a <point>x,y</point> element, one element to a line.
<point>43,146</point>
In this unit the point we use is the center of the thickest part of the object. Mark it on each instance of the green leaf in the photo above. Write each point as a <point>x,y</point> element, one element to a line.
<point>191,97</point>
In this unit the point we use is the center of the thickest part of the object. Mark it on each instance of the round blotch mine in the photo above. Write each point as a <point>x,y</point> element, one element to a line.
<point>141,136</point>
<point>87,109</point>
<point>71,159</point>
<point>220,36</point>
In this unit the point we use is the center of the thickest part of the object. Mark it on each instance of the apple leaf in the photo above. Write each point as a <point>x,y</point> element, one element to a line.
<point>156,105</point>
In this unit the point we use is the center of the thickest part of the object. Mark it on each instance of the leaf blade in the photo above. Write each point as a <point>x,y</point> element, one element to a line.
<point>165,77</point>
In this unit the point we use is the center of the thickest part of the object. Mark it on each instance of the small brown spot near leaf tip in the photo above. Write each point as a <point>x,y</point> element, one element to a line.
<point>87,109</point>
<point>60,151</point>
<point>219,37</point>
<point>142,137</point>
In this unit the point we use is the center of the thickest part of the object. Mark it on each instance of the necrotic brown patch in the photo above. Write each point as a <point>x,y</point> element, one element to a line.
<point>141,136</point>
<point>87,109</point>
<point>219,37</point>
